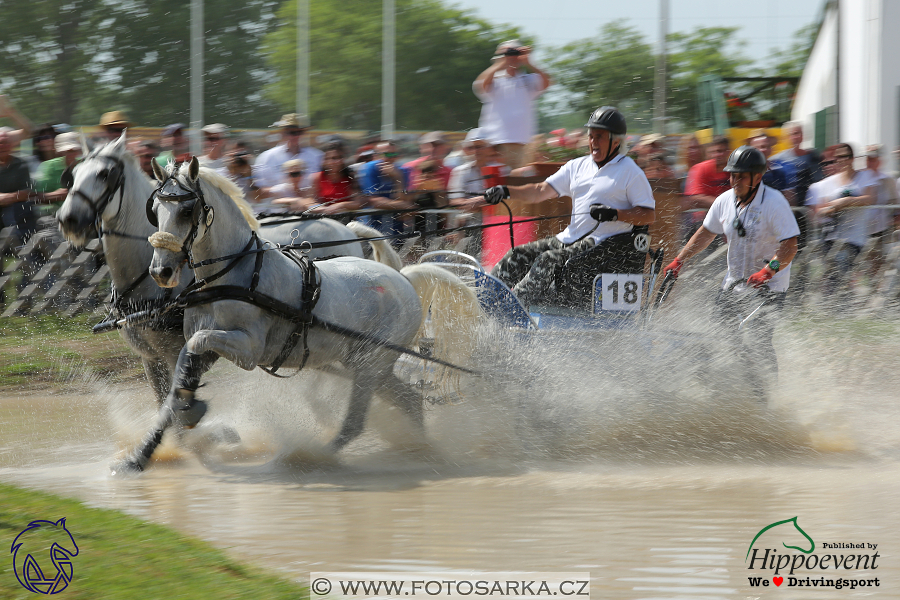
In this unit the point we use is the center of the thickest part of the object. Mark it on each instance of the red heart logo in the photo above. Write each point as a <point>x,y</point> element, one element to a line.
<point>778,580</point>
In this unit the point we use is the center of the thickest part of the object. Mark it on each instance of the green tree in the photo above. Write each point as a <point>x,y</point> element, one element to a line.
<point>704,51</point>
<point>46,47</point>
<point>75,59</point>
<point>616,68</point>
<point>439,52</point>
<point>791,61</point>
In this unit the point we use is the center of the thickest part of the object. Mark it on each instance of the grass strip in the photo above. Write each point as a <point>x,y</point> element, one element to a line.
<point>120,557</point>
<point>38,351</point>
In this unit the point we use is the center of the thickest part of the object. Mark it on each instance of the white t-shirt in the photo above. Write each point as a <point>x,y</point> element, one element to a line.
<point>620,184</point>
<point>509,115</point>
<point>851,225</point>
<point>465,180</point>
<point>767,220</point>
<point>267,171</point>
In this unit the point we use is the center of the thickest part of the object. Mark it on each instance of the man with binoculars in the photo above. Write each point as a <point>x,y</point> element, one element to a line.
<point>508,93</point>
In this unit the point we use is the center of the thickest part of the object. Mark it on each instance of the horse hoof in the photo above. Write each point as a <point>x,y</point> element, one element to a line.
<point>189,416</point>
<point>126,467</point>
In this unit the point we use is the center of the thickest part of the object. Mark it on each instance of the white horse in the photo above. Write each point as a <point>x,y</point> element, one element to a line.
<point>269,310</point>
<point>108,190</point>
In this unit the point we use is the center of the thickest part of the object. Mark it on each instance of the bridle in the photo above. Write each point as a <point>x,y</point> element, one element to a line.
<point>171,189</point>
<point>115,182</point>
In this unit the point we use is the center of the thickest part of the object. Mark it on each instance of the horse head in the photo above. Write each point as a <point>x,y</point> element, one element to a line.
<point>178,209</point>
<point>92,185</point>
<point>26,548</point>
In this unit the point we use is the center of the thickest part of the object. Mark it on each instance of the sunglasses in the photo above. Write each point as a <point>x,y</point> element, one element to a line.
<point>390,154</point>
<point>116,130</point>
<point>842,156</point>
<point>739,227</point>
<point>212,139</point>
<point>295,173</point>
<point>42,138</point>
<point>295,132</point>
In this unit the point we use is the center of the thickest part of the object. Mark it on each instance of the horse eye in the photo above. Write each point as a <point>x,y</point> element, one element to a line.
<point>104,174</point>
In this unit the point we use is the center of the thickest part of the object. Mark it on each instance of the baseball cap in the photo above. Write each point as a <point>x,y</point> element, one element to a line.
<point>171,129</point>
<point>115,118</point>
<point>67,141</point>
<point>475,134</point>
<point>215,129</point>
<point>504,46</point>
<point>294,164</point>
<point>873,150</point>
<point>651,138</point>
<point>434,137</point>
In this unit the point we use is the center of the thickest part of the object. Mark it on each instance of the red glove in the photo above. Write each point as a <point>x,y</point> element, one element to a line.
<point>761,277</point>
<point>674,267</point>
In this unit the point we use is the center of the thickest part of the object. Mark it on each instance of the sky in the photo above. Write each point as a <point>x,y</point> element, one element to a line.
<point>765,24</point>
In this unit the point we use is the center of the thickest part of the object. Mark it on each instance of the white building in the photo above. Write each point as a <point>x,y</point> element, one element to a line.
<point>850,88</point>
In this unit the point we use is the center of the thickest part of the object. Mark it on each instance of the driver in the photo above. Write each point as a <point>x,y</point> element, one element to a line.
<point>761,233</point>
<point>610,196</point>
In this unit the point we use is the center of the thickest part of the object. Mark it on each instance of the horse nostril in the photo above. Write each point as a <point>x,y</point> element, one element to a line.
<point>67,222</point>
<point>165,273</point>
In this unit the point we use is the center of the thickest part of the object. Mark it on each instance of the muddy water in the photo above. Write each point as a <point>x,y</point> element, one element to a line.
<point>657,495</point>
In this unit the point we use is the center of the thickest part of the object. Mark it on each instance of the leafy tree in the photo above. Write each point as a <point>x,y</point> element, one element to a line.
<point>71,60</point>
<point>616,68</point>
<point>46,48</point>
<point>439,52</point>
<point>704,51</point>
<point>792,60</point>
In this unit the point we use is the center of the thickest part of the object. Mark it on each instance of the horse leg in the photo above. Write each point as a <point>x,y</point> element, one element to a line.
<point>159,377</point>
<point>405,398</point>
<point>180,406</point>
<point>355,421</point>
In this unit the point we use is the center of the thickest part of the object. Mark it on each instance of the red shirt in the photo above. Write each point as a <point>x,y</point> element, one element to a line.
<point>415,177</point>
<point>331,192</point>
<point>705,180</point>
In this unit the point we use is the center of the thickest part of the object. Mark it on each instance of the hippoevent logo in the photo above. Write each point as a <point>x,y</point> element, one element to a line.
<point>804,567</point>
<point>42,556</point>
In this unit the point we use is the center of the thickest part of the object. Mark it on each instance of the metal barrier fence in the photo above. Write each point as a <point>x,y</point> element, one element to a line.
<point>47,274</point>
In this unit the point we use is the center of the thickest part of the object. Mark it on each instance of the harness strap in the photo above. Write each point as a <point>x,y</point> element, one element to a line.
<point>308,300</point>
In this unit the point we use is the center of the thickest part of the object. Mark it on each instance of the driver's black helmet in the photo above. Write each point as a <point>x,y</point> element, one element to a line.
<point>609,118</point>
<point>746,159</point>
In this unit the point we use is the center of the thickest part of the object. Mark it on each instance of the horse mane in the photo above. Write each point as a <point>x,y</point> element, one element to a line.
<point>227,187</point>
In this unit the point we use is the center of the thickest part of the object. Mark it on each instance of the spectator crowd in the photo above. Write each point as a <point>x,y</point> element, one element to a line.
<point>300,174</point>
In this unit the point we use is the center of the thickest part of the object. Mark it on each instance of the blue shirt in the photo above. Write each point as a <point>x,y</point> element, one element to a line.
<point>376,184</point>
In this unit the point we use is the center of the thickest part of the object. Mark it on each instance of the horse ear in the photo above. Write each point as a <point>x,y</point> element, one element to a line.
<point>158,170</point>
<point>194,169</point>
<point>84,147</point>
<point>119,144</point>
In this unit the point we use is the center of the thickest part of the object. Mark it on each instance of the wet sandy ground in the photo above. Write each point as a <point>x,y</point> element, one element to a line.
<point>654,503</point>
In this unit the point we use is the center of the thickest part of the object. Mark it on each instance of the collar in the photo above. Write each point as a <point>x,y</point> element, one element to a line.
<point>611,161</point>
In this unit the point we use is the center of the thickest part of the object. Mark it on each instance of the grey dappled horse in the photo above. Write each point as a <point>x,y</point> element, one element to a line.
<point>108,189</point>
<point>353,308</point>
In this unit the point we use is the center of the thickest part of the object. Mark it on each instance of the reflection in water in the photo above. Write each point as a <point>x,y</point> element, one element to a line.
<point>657,493</point>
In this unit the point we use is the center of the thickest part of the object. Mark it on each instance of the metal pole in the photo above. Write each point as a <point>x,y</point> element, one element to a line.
<point>196,76</point>
<point>387,67</point>
<point>659,88</point>
<point>303,57</point>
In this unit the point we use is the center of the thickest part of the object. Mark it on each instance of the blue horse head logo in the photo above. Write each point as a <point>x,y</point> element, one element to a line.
<point>29,545</point>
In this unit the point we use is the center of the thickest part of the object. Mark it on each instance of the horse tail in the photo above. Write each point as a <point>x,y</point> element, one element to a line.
<point>382,251</point>
<point>450,314</point>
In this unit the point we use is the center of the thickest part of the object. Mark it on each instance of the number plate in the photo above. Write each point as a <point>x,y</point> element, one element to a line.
<point>618,291</point>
